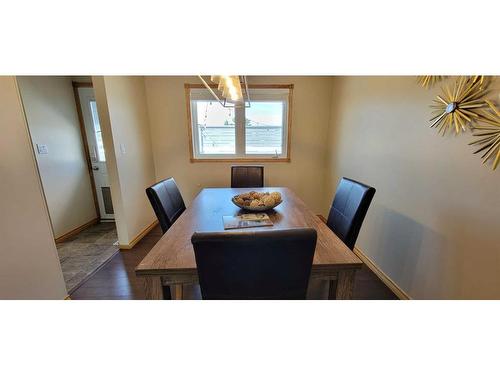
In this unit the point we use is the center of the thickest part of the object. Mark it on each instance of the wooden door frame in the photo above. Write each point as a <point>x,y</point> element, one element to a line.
<point>76,86</point>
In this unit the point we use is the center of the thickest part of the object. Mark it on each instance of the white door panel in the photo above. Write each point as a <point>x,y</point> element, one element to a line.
<point>96,151</point>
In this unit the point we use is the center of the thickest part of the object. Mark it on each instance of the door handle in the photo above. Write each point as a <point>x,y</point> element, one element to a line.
<point>95,168</point>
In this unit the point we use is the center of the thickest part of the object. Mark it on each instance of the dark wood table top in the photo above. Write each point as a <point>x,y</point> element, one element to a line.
<point>173,255</point>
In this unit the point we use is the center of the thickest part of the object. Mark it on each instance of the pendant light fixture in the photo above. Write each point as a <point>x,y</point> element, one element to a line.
<point>229,91</point>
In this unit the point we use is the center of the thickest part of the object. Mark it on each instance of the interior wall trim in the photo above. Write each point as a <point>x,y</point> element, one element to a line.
<point>400,293</point>
<point>77,230</point>
<point>139,237</point>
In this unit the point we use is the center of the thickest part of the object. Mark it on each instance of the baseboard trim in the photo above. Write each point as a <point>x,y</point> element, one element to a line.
<point>75,231</point>
<point>138,237</point>
<point>400,293</point>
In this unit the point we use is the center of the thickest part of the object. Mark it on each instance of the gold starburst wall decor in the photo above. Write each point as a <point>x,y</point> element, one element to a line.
<point>459,104</point>
<point>488,134</point>
<point>428,81</point>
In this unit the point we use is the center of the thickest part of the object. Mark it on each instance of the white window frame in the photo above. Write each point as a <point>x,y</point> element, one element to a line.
<point>267,93</point>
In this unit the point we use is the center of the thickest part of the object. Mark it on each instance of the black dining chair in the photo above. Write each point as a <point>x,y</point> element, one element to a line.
<point>247,176</point>
<point>273,264</point>
<point>348,210</point>
<point>168,205</point>
<point>167,202</point>
<point>350,205</point>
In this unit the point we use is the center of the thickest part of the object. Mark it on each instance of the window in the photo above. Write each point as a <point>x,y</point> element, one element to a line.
<point>216,128</point>
<point>97,132</point>
<point>256,132</point>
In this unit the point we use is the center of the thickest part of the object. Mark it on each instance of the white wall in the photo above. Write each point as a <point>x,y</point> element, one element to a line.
<point>305,174</point>
<point>124,121</point>
<point>433,226</point>
<point>29,265</point>
<point>52,117</point>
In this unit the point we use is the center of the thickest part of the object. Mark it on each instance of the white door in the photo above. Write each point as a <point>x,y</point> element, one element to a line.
<point>96,151</point>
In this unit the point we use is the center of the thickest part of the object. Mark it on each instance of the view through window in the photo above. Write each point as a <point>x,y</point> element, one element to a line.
<point>215,128</point>
<point>97,131</point>
<point>257,131</point>
<point>264,128</point>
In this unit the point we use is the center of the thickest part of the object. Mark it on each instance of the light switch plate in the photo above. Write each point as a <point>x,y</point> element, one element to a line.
<point>122,148</point>
<point>42,149</point>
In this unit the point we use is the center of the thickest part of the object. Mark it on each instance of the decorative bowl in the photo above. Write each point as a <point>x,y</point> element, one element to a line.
<point>256,208</point>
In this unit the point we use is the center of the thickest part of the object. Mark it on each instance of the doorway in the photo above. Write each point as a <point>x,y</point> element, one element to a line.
<point>96,155</point>
<point>69,150</point>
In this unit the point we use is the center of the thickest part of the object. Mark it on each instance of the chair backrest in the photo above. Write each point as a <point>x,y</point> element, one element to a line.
<point>274,264</point>
<point>348,210</point>
<point>247,176</point>
<point>167,202</point>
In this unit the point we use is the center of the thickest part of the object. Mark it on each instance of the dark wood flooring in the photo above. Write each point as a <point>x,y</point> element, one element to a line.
<point>117,280</point>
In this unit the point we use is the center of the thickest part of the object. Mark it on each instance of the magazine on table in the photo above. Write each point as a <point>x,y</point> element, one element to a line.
<point>247,221</point>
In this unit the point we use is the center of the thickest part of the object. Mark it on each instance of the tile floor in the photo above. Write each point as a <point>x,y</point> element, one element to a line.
<point>86,252</point>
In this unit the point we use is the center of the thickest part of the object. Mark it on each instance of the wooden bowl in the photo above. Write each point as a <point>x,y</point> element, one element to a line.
<point>255,209</point>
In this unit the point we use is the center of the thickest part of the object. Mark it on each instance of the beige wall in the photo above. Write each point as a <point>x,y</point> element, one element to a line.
<point>432,227</point>
<point>434,223</point>
<point>124,120</point>
<point>305,174</point>
<point>52,117</point>
<point>29,265</point>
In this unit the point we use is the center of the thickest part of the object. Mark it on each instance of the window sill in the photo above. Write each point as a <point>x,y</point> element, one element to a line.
<point>241,160</point>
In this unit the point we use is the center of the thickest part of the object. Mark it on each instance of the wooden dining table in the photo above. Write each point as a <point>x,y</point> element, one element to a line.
<point>171,261</point>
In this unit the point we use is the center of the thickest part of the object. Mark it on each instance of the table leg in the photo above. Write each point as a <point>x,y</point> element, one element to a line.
<point>345,284</point>
<point>332,289</point>
<point>153,287</point>
<point>178,291</point>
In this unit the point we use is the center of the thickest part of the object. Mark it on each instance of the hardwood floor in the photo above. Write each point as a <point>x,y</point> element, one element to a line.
<point>117,280</point>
